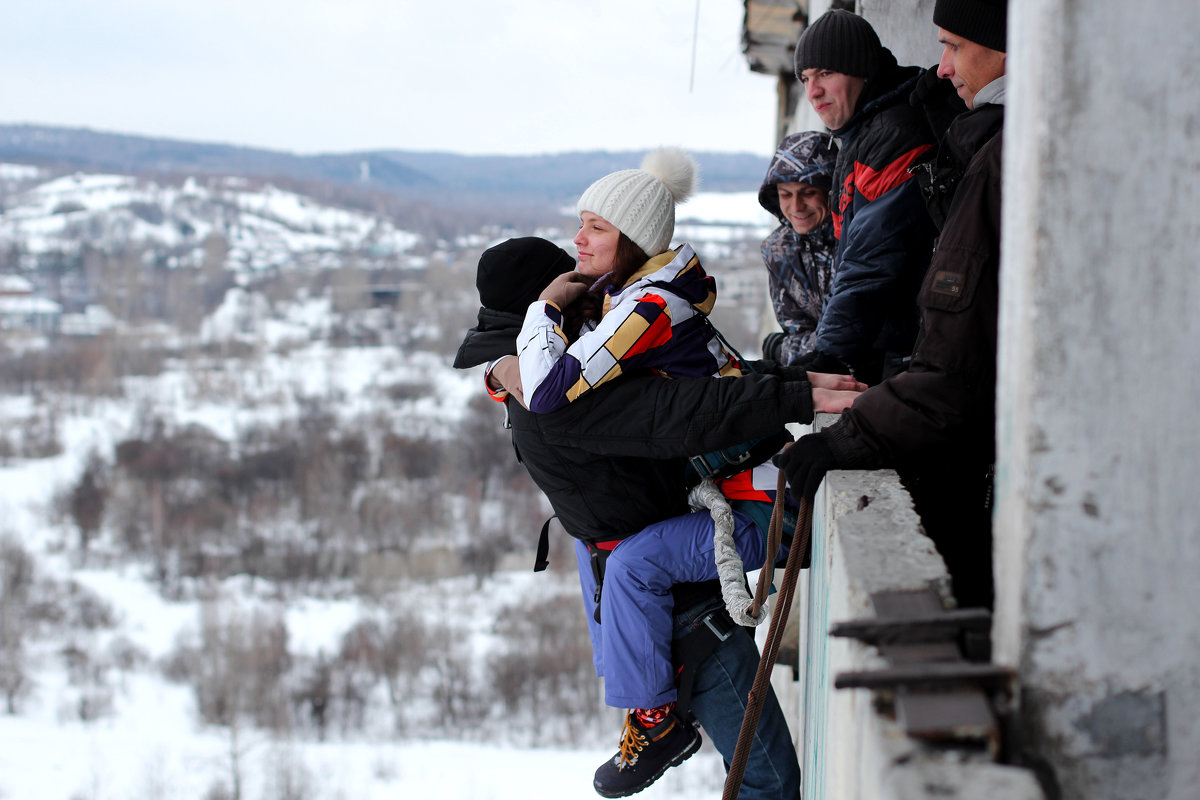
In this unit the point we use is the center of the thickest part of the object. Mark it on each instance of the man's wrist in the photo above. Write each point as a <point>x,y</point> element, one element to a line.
<point>493,386</point>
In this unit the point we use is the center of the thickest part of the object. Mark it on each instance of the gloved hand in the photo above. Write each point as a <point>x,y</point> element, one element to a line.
<point>771,367</point>
<point>565,288</point>
<point>772,345</point>
<point>939,100</point>
<point>816,361</point>
<point>805,464</point>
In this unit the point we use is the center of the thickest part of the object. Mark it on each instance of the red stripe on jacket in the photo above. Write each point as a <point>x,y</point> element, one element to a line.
<point>659,331</point>
<point>872,183</point>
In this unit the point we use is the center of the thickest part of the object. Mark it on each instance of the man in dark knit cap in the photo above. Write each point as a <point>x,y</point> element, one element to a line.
<point>935,423</point>
<point>853,82</point>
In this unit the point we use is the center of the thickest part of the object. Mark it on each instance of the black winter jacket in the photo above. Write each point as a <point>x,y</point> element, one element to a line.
<point>612,462</point>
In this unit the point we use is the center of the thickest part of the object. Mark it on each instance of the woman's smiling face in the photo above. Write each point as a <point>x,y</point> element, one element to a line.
<point>597,245</point>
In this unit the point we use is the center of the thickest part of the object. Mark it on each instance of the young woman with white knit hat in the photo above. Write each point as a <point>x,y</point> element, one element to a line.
<point>655,300</point>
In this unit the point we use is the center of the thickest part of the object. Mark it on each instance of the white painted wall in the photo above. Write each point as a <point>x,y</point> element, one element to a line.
<point>1098,492</point>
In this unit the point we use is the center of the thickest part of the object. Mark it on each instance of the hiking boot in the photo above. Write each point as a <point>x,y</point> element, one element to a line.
<point>645,754</point>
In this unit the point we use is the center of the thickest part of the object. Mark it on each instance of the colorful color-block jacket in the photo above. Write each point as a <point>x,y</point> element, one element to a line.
<point>657,321</point>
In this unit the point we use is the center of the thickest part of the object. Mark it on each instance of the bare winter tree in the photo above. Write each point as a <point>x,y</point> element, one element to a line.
<point>16,585</point>
<point>87,500</point>
<point>236,666</point>
<point>545,663</point>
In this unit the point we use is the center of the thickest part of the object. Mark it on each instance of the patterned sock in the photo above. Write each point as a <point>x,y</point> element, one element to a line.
<point>649,717</point>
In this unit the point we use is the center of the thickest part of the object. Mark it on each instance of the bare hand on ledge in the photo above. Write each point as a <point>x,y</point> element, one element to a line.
<point>824,380</point>
<point>831,401</point>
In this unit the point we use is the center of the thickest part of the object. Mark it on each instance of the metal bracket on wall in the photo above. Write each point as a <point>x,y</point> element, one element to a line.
<point>937,694</point>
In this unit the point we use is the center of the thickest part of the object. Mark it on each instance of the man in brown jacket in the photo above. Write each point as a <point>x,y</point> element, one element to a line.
<point>935,423</point>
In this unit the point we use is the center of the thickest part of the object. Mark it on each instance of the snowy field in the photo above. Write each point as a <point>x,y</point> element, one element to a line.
<point>153,745</point>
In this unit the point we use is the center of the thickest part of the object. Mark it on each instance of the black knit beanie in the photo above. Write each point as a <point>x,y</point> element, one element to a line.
<point>984,22</point>
<point>513,273</point>
<point>840,41</point>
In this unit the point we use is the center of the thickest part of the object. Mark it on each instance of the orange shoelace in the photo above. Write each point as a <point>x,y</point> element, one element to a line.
<point>632,742</point>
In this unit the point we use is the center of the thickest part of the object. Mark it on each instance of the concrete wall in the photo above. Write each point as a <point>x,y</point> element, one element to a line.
<point>1098,505</point>
<point>866,540</point>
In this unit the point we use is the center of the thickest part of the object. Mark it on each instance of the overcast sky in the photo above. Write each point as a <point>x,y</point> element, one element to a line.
<point>467,76</point>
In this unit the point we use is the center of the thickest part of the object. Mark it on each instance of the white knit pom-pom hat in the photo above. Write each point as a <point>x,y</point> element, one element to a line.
<point>641,202</point>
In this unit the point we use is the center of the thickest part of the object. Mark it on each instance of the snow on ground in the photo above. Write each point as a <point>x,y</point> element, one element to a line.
<point>154,746</point>
<point>147,755</point>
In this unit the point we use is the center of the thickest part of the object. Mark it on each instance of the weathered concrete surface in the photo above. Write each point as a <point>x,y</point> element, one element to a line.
<point>867,539</point>
<point>1098,511</point>
<point>950,780</point>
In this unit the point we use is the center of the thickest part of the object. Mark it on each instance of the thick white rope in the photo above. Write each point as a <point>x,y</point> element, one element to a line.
<point>730,570</point>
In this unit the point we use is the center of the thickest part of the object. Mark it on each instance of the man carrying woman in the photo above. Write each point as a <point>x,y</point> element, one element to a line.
<point>595,475</point>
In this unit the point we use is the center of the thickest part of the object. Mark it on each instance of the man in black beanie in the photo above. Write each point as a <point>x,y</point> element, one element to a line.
<point>508,275</point>
<point>853,82</point>
<point>935,423</point>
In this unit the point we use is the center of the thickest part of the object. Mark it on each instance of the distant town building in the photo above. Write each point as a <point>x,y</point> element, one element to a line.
<point>21,309</point>
<point>94,321</point>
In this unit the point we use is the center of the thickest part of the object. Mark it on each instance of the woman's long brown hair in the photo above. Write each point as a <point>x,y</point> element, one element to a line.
<point>628,259</point>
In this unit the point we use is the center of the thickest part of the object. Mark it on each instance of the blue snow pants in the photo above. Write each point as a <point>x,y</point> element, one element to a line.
<point>632,647</point>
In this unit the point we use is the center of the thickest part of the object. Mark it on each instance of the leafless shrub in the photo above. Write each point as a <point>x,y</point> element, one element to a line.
<point>394,651</point>
<point>16,588</point>
<point>457,695</point>
<point>91,696</point>
<point>410,458</point>
<point>289,779</point>
<point>399,392</point>
<point>235,666</point>
<point>545,663</point>
<point>87,498</point>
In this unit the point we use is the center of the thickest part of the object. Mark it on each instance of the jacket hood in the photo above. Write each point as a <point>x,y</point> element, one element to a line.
<point>806,157</point>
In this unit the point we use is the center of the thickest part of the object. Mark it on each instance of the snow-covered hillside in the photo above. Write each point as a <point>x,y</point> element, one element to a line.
<point>263,225</point>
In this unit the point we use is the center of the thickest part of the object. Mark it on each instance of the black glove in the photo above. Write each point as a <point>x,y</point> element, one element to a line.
<point>782,372</point>
<point>816,361</point>
<point>772,345</point>
<point>805,464</point>
<point>938,98</point>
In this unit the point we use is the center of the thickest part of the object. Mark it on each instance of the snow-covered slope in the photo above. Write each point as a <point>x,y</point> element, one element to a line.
<point>264,226</point>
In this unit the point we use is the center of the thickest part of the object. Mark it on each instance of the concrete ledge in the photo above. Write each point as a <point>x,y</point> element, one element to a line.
<point>867,540</point>
<point>946,780</point>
